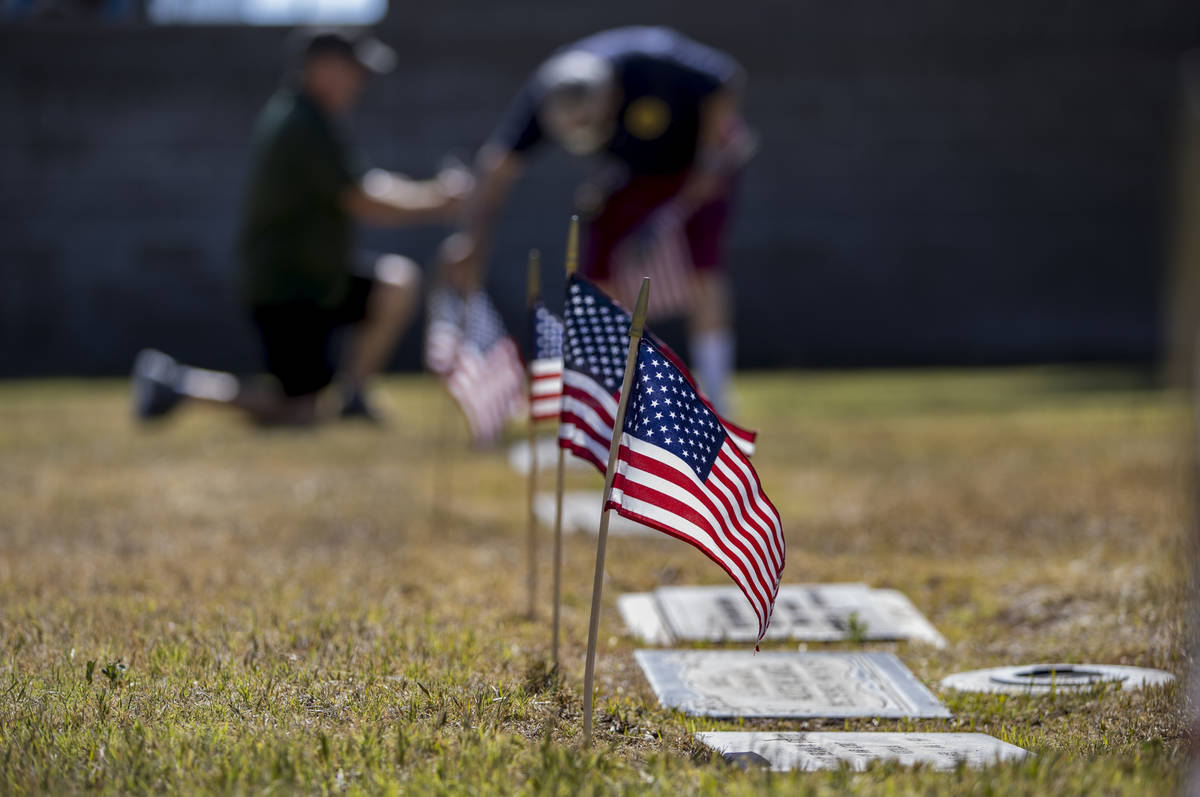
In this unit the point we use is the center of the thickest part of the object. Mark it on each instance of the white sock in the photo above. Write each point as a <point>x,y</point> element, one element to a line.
<point>712,353</point>
<point>204,384</point>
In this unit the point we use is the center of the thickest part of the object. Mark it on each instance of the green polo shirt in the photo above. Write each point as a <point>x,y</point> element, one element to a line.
<point>296,239</point>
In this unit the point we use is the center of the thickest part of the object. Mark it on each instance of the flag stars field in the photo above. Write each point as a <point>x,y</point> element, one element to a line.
<point>691,441</point>
<point>594,367</point>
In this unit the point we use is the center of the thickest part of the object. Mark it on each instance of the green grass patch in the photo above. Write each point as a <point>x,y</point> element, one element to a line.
<point>204,607</point>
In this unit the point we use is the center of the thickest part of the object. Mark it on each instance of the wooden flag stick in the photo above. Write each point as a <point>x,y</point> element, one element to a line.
<point>571,264</point>
<point>535,289</point>
<point>441,470</point>
<point>441,467</point>
<point>635,337</point>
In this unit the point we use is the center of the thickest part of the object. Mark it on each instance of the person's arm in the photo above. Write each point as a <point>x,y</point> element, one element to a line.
<point>386,199</point>
<point>723,145</point>
<point>498,170</point>
<point>500,162</point>
<point>716,155</point>
<point>462,256</point>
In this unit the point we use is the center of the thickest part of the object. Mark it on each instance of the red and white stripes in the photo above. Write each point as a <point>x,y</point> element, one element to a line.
<point>545,388</point>
<point>727,516</point>
<point>489,387</point>
<point>666,258</point>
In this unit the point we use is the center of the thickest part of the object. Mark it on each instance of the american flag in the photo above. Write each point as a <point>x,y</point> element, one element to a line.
<point>467,345</point>
<point>679,472</point>
<point>661,253</point>
<point>545,363</point>
<point>594,353</point>
<point>443,330</point>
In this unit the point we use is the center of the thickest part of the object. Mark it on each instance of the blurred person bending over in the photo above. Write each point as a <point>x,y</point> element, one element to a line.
<point>301,279</point>
<point>662,113</point>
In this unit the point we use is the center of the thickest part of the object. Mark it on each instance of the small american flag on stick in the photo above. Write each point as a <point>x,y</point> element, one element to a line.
<point>545,363</point>
<point>594,353</point>
<point>467,345</point>
<point>678,471</point>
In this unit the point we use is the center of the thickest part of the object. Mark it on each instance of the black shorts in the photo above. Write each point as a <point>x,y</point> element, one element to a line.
<point>298,337</point>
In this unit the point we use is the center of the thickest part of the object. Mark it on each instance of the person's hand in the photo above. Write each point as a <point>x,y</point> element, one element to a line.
<point>458,263</point>
<point>458,185</point>
<point>456,182</point>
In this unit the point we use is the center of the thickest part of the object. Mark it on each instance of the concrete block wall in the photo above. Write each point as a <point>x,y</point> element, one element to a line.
<point>938,182</point>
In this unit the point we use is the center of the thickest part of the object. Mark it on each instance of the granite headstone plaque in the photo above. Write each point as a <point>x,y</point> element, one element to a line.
<point>640,612</point>
<point>808,752</point>
<point>803,612</point>
<point>547,456</point>
<point>581,513</point>
<point>741,683</point>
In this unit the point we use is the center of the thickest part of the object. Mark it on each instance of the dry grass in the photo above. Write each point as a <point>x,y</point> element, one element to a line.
<point>294,613</point>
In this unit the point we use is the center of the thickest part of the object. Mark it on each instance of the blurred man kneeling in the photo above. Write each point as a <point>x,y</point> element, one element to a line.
<point>302,280</point>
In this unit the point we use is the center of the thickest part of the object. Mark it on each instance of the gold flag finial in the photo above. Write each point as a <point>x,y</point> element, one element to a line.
<point>573,245</point>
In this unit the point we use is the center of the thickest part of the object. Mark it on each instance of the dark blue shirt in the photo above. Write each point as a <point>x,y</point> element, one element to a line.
<point>664,77</point>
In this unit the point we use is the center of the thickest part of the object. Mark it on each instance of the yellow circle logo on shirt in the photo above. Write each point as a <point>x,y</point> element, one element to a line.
<point>647,118</point>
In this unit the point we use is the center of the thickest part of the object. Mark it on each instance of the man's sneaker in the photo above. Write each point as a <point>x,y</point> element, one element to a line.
<point>154,392</point>
<point>356,406</point>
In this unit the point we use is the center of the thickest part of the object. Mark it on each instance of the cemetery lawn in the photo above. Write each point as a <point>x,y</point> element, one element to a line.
<point>204,607</point>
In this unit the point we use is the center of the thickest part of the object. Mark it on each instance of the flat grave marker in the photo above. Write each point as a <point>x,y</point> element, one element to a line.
<point>803,612</point>
<point>547,457</point>
<point>640,612</point>
<point>581,513</point>
<point>809,752</point>
<point>741,683</point>
<point>642,617</point>
<point>1040,679</point>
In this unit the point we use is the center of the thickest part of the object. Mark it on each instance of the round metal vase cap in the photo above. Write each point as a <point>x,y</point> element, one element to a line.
<point>1040,679</point>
